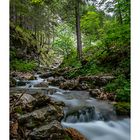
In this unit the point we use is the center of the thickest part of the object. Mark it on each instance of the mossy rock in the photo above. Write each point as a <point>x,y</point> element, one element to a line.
<point>12,82</point>
<point>32,78</point>
<point>18,109</point>
<point>122,108</point>
<point>67,138</point>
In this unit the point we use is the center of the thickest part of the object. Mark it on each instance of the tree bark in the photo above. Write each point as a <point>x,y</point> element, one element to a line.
<point>78,32</point>
<point>120,14</point>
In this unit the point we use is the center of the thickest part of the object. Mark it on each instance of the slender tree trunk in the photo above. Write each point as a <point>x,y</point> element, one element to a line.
<point>78,33</point>
<point>120,14</point>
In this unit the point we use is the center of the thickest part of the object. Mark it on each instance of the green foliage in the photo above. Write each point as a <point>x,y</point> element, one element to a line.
<point>121,87</point>
<point>71,61</point>
<point>24,66</point>
<point>115,34</point>
<point>64,44</point>
<point>90,22</point>
<point>122,108</point>
<point>67,138</point>
<point>18,109</point>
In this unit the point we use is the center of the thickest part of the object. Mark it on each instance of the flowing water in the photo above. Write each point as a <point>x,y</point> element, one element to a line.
<point>95,119</point>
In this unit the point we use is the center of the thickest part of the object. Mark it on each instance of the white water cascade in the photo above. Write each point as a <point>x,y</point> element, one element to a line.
<point>95,119</point>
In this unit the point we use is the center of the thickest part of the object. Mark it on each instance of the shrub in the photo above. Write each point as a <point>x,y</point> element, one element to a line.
<point>121,87</point>
<point>21,65</point>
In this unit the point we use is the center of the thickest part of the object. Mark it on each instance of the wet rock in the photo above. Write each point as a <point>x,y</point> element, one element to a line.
<point>27,99</point>
<point>94,92</point>
<point>74,134</point>
<point>22,102</point>
<point>96,80</point>
<point>29,102</point>
<point>57,81</point>
<point>38,116</point>
<point>70,84</point>
<point>21,75</point>
<point>42,121</point>
<point>80,114</point>
<point>51,131</point>
<point>46,75</point>
<point>42,84</point>
<point>14,129</point>
<point>84,83</point>
<point>84,86</point>
<point>12,82</point>
<point>50,79</point>
<point>32,78</point>
<point>102,95</point>
<point>50,91</point>
<point>41,99</point>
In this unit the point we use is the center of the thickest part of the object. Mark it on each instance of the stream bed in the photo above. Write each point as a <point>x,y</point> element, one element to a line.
<point>95,119</point>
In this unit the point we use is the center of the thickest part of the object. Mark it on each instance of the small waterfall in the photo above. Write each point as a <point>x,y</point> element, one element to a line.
<point>95,119</point>
<point>85,114</point>
<point>100,130</point>
<point>29,83</point>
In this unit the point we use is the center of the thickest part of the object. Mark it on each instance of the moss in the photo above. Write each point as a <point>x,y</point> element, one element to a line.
<point>67,138</point>
<point>12,82</point>
<point>122,108</point>
<point>18,109</point>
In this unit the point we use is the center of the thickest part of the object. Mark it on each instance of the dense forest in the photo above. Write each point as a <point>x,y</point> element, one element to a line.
<point>83,44</point>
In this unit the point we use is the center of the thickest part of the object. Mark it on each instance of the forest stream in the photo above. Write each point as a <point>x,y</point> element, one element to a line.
<point>95,119</point>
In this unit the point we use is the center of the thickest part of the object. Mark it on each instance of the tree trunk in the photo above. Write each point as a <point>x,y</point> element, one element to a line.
<point>78,33</point>
<point>120,14</point>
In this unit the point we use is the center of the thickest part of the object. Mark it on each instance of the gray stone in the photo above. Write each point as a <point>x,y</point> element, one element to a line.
<point>46,114</point>
<point>51,131</point>
<point>42,84</point>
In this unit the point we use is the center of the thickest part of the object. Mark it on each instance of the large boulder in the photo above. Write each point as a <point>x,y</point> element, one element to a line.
<point>70,84</point>
<point>22,102</point>
<point>39,116</point>
<point>42,84</point>
<point>74,134</point>
<point>56,81</point>
<point>51,131</point>
<point>41,100</point>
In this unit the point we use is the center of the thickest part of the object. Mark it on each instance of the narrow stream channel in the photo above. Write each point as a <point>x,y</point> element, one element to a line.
<point>95,119</point>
